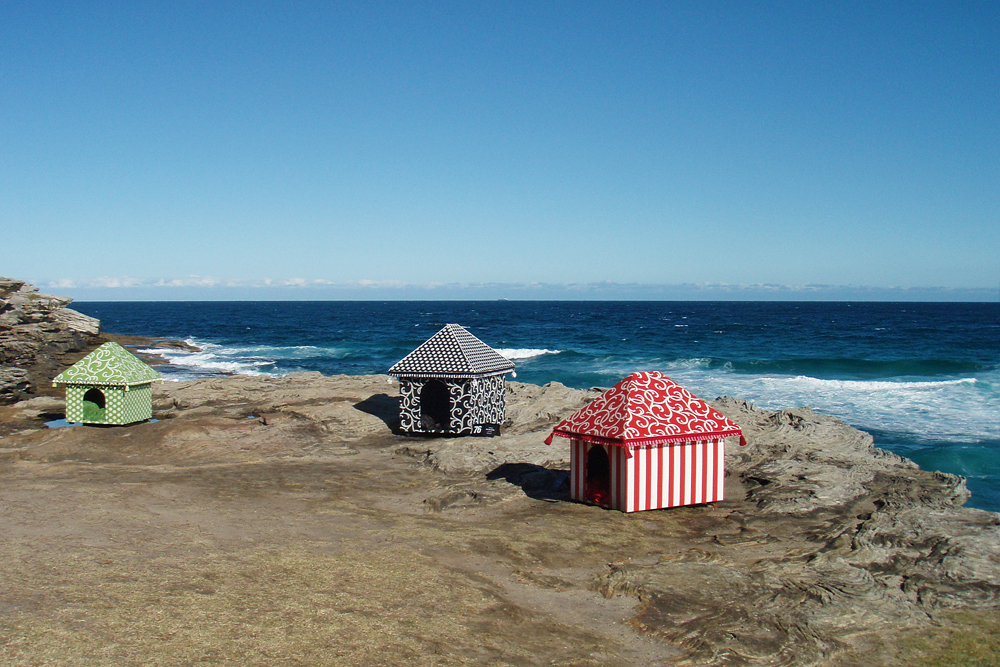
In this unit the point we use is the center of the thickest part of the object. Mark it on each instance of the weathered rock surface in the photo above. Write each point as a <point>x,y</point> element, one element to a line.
<point>37,331</point>
<point>282,521</point>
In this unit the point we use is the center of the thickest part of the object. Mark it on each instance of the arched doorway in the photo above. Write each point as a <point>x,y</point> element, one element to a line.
<point>597,485</point>
<point>93,405</point>
<point>435,407</point>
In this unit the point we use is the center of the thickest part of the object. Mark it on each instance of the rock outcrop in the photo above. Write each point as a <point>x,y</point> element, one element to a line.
<point>37,331</point>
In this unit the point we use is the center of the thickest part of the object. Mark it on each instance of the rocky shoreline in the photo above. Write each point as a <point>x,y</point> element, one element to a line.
<point>286,521</point>
<point>40,336</point>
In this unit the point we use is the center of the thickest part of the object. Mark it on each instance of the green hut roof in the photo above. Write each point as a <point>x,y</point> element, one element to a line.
<point>110,364</point>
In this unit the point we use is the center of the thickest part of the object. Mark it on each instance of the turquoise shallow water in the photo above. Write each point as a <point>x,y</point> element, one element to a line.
<point>923,378</point>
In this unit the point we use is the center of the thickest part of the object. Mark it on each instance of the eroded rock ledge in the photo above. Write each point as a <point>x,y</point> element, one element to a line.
<point>831,545</point>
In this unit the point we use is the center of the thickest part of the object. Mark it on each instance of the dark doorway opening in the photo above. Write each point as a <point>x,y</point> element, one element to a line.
<point>597,486</point>
<point>95,396</point>
<point>435,407</point>
<point>93,405</point>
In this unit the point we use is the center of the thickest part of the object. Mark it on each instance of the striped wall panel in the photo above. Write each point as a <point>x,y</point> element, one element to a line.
<point>652,478</point>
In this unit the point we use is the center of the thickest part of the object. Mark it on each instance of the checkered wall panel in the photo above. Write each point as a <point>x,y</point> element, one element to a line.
<point>122,405</point>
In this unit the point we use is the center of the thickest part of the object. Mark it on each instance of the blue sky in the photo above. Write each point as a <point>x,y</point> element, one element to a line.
<point>457,150</point>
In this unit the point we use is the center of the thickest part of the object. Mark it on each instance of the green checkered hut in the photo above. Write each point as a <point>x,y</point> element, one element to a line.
<point>108,386</point>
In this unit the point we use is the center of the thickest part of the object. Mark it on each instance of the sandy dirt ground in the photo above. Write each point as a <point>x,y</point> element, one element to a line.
<point>322,538</point>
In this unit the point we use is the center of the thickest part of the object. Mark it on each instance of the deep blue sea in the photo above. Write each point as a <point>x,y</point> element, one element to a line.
<point>922,378</point>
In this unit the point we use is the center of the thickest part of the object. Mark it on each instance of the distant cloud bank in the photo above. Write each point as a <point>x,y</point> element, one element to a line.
<point>209,288</point>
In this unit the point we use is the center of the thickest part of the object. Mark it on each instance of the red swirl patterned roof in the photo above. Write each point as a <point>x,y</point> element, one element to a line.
<point>646,409</point>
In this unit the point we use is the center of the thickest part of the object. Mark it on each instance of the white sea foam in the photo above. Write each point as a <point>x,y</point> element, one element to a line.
<point>680,365</point>
<point>214,359</point>
<point>524,353</point>
<point>878,385</point>
<point>210,359</point>
<point>287,352</point>
<point>161,351</point>
<point>957,410</point>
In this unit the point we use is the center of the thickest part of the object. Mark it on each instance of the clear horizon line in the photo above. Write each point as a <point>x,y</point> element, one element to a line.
<point>206,288</point>
<point>211,282</point>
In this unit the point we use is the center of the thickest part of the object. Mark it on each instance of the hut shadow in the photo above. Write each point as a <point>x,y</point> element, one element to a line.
<point>536,481</point>
<point>384,407</point>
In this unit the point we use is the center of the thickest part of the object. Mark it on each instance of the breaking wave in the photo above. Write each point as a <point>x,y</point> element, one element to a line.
<point>210,359</point>
<point>524,353</point>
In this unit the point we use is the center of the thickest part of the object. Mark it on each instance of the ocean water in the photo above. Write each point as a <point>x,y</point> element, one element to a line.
<point>922,378</point>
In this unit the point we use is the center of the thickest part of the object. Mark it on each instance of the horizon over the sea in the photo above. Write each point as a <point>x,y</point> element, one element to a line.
<point>213,289</point>
<point>536,300</point>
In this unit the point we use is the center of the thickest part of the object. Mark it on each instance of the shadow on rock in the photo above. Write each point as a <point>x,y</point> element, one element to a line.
<point>536,481</point>
<point>384,407</point>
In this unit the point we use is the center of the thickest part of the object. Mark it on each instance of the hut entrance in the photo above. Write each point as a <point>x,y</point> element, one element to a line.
<point>93,405</point>
<point>597,487</point>
<point>435,406</point>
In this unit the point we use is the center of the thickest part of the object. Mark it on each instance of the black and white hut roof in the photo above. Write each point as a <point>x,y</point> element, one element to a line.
<point>452,352</point>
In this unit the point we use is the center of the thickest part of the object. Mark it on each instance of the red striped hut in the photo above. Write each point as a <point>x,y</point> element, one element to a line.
<point>645,444</point>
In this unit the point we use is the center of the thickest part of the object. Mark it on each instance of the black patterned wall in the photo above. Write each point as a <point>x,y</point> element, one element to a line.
<point>477,406</point>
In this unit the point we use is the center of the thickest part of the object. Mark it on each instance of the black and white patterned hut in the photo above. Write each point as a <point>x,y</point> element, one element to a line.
<point>452,384</point>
